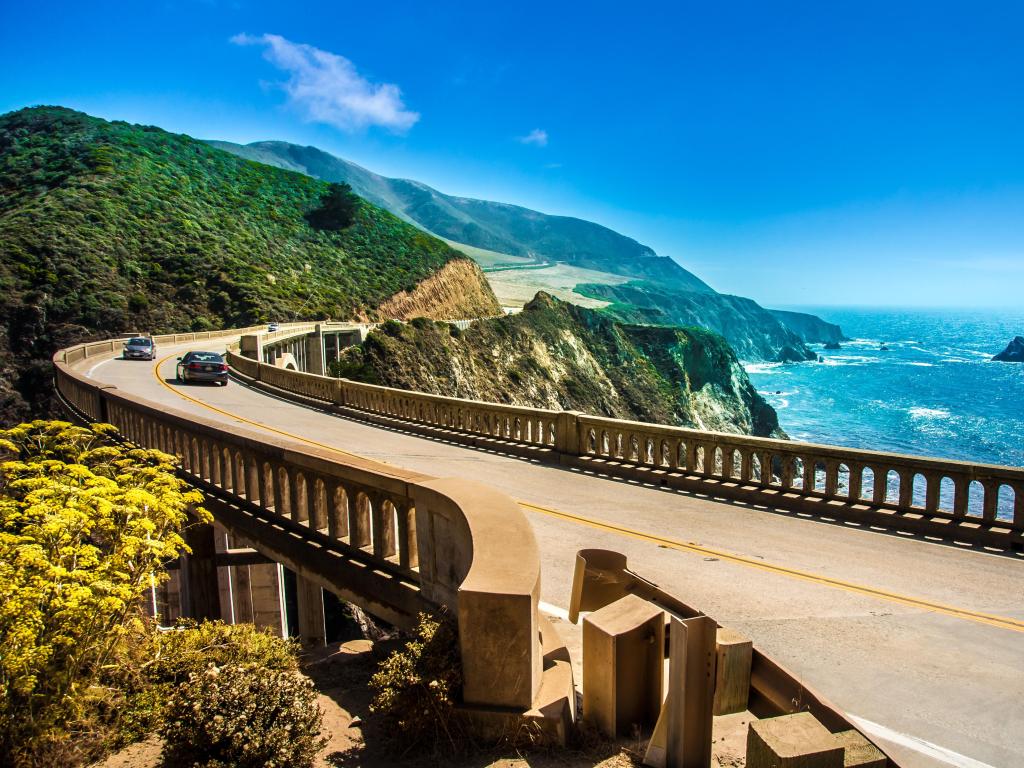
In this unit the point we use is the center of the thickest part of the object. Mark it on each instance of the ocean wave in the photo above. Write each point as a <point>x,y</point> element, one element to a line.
<point>920,412</point>
<point>762,367</point>
<point>919,364</point>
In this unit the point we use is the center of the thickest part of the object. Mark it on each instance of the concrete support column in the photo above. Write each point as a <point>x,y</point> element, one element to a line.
<point>201,591</point>
<point>315,352</point>
<point>310,599</point>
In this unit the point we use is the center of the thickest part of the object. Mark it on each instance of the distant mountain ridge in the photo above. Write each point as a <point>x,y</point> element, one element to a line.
<point>663,291</point>
<point>501,227</point>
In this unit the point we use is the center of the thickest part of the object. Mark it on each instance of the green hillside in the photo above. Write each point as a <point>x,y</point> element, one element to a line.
<point>507,229</point>
<point>109,228</point>
<point>557,355</point>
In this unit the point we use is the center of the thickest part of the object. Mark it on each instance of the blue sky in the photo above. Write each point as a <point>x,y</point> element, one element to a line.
<point>799,153</point>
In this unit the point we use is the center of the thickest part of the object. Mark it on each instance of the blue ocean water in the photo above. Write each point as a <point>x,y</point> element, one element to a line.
<point>933,393</point>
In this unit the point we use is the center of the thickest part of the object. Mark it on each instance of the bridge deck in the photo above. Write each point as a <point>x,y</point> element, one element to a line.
<point>927,639</point>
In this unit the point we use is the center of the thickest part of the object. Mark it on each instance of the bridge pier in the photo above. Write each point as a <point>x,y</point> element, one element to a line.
<point>310,599</point>
<point>200,589</point>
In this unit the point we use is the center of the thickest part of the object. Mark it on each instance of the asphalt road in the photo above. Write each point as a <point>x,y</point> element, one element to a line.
<point>922,643</point>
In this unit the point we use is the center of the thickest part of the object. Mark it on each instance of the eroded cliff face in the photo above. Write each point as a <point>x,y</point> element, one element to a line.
<point>457,291</point>
<point>560,356</point>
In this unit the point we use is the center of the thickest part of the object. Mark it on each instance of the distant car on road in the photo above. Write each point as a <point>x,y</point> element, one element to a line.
<point>202,366</point>
<point>139,348</point>
<point>272,327</point>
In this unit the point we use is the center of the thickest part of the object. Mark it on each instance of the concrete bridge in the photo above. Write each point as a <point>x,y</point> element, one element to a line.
<point>893,583</point>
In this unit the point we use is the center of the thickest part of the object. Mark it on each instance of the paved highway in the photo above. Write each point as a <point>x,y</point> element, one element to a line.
<point>923,643</point>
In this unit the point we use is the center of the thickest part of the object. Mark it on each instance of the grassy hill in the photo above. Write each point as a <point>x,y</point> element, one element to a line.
<point>107,227</point>
<point>498,227</point>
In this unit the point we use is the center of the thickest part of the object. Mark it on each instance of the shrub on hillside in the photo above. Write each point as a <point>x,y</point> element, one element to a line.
<point>243,716</point>
<point>416,688</point>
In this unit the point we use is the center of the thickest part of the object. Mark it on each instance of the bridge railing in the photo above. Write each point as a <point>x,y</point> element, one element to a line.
<point>394,541</point>
<point>962,500</point>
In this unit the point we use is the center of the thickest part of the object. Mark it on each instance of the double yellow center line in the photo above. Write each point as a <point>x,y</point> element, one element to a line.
<point>1003,622</point>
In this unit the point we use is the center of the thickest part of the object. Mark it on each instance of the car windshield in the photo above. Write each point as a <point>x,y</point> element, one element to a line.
<point>139,342</point>
<point>206,357</point>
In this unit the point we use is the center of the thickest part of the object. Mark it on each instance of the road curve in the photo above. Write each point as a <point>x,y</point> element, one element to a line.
<point>923,642</point>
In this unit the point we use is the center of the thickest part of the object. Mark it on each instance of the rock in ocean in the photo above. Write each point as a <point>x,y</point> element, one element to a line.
<point>1014,352</point>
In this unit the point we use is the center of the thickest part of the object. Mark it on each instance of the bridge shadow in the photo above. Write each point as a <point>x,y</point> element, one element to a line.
<point>360,738</point>
<point>548,458</point>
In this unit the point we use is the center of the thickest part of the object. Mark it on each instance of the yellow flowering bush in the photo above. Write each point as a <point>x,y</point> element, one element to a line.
<point>85,528</point>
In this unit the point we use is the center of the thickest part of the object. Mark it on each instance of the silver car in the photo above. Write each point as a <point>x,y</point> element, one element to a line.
<point>139,348</point>
<point>202,366</point>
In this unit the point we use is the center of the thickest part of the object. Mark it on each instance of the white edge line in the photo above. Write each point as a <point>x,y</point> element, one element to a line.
<point>89,373</point>
<point>921,746</point>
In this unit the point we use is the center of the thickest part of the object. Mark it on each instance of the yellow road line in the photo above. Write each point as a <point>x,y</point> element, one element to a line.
<point>1003,622</point>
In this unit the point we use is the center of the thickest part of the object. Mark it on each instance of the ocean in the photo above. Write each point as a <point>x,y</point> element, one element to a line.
<point>935,392</point>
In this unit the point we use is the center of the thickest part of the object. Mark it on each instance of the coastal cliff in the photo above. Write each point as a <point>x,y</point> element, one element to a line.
<point>457,291</point>
<point>810,328</point>
<point>560,356</point>
<point>752,331</point>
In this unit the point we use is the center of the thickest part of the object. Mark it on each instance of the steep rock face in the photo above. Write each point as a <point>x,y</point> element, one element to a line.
<point>108,228</point>
<point>751,330</point>
<point>560,356</point>
<point>1014,352</point>
<point>810,328</point>
<point>457,291</point>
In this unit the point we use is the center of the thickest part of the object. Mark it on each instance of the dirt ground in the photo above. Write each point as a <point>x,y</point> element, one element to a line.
<point>358,739</point>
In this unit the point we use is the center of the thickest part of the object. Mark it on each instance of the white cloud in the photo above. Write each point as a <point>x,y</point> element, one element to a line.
<point>537,137</point>
<point>326,87</point>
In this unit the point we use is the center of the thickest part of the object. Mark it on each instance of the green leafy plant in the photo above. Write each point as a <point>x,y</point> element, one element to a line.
<point>243,716</point>
<point>417,687</point>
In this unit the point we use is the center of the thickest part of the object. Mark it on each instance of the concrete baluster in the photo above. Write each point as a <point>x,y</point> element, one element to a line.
<point>991,504</point>
<point>809,476</point>
<point>282,499</point>
<point>252,479</point>
<point>226,470</point>
<point>879,485</point>
<point>358,518</point>
<point>408,554</point>
<point>238,479</point>
<point>856,481</point>
<point>961,486</point>
<point>337,510</point>
<point>786,478</point>
<point>933,483</point>
<point>906,488</point>
<point>831,478</point>
<point>299,488</point>
<point>316,488</point>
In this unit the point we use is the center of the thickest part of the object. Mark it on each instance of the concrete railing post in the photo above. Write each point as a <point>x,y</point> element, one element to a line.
<point>567,439</point>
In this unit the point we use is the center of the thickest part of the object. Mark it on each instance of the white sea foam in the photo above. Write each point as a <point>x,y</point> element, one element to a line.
<point>920,365</point>
<point>762,367</point>
<point>928,413</point>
